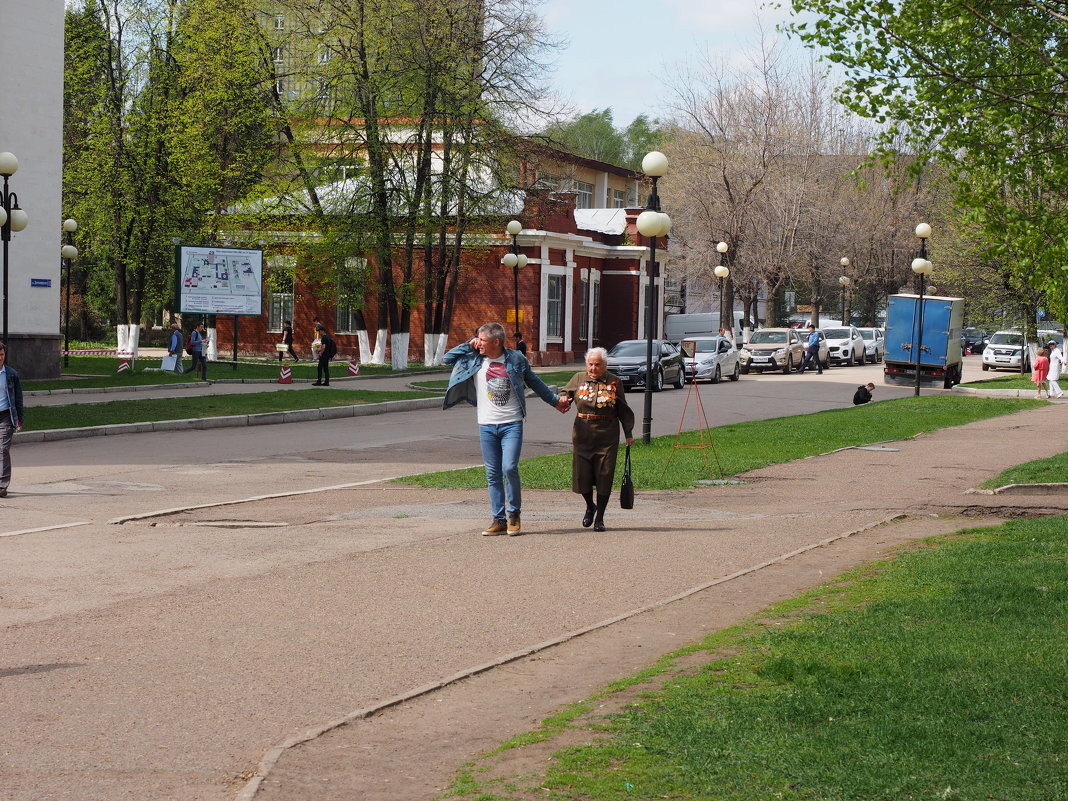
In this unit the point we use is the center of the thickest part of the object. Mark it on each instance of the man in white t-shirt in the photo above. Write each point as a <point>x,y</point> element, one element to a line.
<point>494,379</point>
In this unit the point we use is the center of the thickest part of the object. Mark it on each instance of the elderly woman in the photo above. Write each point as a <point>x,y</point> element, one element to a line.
<point>602,408</point>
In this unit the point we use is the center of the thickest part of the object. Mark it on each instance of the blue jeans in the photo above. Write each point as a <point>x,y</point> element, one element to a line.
<point>501,445</point>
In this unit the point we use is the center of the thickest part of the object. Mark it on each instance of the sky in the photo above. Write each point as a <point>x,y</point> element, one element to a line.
<point>622,52</point>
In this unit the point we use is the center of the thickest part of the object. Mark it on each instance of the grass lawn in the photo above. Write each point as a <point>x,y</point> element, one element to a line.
<point>747,446</point>
<point>1053,470</point>
<point>99,371</point>
<point>42,418</point>
<point>938,674</point>
<point>1004,381</point>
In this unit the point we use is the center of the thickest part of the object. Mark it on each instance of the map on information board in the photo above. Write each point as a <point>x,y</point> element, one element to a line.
<point>214,280</point>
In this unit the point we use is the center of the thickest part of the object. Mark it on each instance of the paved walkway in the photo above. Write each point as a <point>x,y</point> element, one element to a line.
<point>265,647</point>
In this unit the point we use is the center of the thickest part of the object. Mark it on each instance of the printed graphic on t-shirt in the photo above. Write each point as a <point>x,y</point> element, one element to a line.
<point>499,387</point>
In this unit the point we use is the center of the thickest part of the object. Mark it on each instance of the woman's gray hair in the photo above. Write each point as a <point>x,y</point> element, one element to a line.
<point>597,352</point>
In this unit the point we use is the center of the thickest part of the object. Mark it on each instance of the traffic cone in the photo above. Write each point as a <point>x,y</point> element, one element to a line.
<point>285,376</point>
<point>354,368</point>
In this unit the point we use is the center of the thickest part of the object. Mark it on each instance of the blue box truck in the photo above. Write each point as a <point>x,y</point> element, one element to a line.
<point>940,353</point>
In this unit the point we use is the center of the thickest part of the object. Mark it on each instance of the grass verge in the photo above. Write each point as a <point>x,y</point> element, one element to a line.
<point>1053,470</point>
<point>935,675</point>
<point>747,446</point>
<point>76,415</point>
<point>94,372</point>
<point>1011,381</point>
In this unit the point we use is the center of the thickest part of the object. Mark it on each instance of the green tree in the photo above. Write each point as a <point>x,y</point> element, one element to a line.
<point>978,86</point>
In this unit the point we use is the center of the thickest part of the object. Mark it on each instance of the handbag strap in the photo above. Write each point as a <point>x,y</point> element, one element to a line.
<point>626,463</point>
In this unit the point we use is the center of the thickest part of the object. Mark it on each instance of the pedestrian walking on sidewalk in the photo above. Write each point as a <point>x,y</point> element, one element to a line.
<point>287,340</point>
<point>494,379</point>
<point>812,351</point>
<point>602,409</point>
<point>12,416</point>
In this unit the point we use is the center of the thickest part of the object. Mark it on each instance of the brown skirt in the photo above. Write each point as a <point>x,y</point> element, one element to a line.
<point>593,455</point>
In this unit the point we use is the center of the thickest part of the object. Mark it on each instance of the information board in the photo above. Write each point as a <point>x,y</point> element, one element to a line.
<point>216,280</point>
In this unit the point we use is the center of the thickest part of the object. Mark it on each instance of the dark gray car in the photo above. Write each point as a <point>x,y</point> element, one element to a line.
<point>627,360</point>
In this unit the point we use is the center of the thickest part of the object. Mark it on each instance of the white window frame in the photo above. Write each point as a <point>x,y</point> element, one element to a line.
<point>280,305</point>
<point>345,309</point>
<point>584,308</point>
<point>583,194</point>
<point>551,271</point>
<point>619,198</point>
<point>279,22</point>
<point>278,53</point>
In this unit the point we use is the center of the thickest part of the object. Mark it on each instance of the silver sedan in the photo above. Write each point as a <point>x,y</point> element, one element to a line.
<point>710,358</point>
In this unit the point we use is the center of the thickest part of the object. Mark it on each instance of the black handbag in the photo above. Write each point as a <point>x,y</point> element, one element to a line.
<point>626,486</point>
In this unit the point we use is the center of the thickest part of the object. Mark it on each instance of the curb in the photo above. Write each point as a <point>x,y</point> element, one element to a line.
<point>232,421</point>
<point>996,393</point>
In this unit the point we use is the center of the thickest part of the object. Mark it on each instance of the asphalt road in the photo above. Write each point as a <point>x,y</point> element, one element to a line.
<point>161,656</point>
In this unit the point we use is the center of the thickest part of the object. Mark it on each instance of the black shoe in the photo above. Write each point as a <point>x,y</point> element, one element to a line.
<point>326,383</point>
<point>317,384</point>
<point>598,525</point>
<point>587,519</point>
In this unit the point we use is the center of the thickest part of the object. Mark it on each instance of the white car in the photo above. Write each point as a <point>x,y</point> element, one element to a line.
<point>845,345</point>
<point>710,358</point>
<point>1005,349</point>
<point>874,344</point>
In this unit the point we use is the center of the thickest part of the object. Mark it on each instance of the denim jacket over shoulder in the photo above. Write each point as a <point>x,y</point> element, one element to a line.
<point>466,361</point>
<point>13,388</point>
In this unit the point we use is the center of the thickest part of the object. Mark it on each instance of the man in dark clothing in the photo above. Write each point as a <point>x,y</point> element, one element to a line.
<point>287,340</point>
<point>327,351</point>
<point>863,394</point>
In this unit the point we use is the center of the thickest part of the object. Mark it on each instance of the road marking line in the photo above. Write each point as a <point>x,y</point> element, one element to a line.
<point>44,528</point>
<point>118,521</point>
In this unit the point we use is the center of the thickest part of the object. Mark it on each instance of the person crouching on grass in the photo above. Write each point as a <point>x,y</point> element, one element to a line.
<point>602,409</point>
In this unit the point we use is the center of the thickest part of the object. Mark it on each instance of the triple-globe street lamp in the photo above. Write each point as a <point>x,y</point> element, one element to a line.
<point>652,223</point>
<point>846,282</point>
<point>68,253</point>
<point>516,261</point>
<point>721,272</point>
<point>12,220</point>
<point>922,267</point>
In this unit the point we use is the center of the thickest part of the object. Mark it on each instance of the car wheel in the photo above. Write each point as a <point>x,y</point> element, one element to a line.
<point>985,367</point>
<point>736,373</point>
<point>789,366</point>
<point>658,380</point>
<point>849,360</point>
<point>717,375</point>
<point>680,379</point>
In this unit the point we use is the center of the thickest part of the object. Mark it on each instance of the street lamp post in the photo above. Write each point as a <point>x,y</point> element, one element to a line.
<point>12,219</point>
<point>68,252</point>
<point>516,261</point>
<point>721,272</point>
<point>922,267</point>
<point>651,224</point>
<point>846,283</point>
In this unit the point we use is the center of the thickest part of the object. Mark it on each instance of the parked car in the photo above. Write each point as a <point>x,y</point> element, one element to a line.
<point>711,359</point>
<point>845,345</point>
<point>627,360</point>
<point>1004,350</point>
<point>972,340</point>
<point>773,349</point>
<point>874,344</point>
